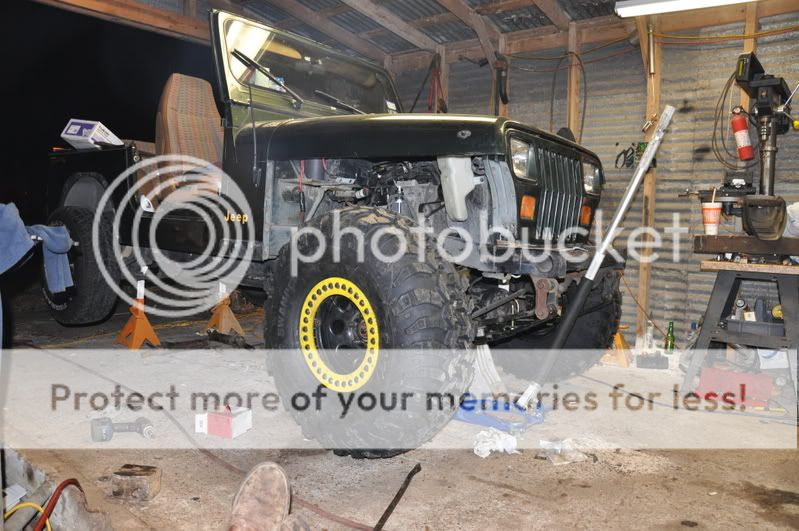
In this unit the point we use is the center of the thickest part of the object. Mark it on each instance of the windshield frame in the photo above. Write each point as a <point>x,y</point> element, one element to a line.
<point>233,90</point>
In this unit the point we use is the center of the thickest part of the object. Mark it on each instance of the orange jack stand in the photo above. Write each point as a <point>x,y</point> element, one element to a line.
<point>138,329</point>
<point>223,320</point>
<point>619,353</point>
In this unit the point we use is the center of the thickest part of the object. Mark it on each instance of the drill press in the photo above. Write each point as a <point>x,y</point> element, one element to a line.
<point>763,214</point>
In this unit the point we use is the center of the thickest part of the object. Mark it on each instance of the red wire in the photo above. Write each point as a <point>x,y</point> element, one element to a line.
<point>48,510</point>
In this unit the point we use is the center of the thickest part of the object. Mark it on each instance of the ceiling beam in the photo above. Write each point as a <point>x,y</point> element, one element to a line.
<point>719,16</point>
<point>498,7</point>
<point>588,32</point>
<point>132,13</point>
<point>432,20</point>
<point>596,30</point>
<point>555,13</point>
<point>326,13</point>
<point>393,23</point>
<point>318,21</point>
<point>486,33</point>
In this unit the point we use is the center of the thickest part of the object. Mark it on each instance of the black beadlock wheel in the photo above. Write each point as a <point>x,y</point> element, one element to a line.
<point>591,336</point>
<point>336,324</point>
<point>91,299</point>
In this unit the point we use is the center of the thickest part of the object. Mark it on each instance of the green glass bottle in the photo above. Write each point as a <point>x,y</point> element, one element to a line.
<point>670,338</point>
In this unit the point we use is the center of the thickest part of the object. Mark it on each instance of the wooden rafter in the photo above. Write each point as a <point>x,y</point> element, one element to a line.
<point>322,23</point>
<point>326,13</point>
<point>393,23</point>
<point>132,13</point>
<point>588,32</point>
<point>498,7</point>
<point>594,30</point>
<point>486,32</point>
<point>439,18</point>
<point>719,16</point>
<point>560,19</point>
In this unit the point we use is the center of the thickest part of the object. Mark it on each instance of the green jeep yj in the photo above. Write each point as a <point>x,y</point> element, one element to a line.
<point>317,143</point>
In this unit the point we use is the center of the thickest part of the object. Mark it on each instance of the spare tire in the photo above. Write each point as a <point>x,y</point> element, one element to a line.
<point>91,299</point>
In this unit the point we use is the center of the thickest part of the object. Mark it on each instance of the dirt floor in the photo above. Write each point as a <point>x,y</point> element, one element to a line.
<point>615,488</point>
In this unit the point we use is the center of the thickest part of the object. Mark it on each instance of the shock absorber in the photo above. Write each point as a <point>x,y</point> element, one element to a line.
<point>740,127</point>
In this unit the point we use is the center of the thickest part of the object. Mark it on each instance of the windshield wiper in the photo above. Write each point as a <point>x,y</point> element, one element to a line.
<point>338,103</point>
<point>250,63</point>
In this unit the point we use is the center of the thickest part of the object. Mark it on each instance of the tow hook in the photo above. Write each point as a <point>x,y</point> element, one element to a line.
<point>546,297</point>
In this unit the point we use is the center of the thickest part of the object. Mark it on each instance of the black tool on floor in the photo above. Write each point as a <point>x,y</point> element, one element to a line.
<point>103,428</point>
<point>397,497</point>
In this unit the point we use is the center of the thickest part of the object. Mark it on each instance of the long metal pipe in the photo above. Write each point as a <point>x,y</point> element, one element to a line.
<point>587,282</point>
<point>768,154</point>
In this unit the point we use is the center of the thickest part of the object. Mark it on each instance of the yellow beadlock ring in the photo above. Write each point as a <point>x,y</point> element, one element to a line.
<point>343,383</point>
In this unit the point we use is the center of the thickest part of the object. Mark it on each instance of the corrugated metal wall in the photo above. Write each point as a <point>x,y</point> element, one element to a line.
<point>692,78</point>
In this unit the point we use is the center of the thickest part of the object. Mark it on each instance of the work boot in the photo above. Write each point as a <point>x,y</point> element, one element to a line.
<point>263,500</point>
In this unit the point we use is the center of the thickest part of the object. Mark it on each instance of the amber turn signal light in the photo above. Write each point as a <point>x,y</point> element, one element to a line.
<point>527,210</point>
<point>585,215</point>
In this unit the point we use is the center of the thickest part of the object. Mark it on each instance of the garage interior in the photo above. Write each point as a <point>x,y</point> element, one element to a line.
<point>564,67</point>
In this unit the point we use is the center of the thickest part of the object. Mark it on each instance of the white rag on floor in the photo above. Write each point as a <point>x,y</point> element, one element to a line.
<point>493,440</point>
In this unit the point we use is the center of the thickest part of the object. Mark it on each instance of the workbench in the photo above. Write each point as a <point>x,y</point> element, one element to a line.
<point>729,276</point>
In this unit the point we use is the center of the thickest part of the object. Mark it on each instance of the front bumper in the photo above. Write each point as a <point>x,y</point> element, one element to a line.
<point>546,261</point>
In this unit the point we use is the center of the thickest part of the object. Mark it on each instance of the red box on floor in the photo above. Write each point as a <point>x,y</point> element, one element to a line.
<point>757,386</point>
<point>228,423</point>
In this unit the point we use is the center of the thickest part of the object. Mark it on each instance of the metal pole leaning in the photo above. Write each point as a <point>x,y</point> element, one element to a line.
<point>587,282</point>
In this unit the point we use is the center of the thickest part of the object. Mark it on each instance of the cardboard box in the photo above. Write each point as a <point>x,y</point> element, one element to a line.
<point>88,134</point>
<point>228,423</point>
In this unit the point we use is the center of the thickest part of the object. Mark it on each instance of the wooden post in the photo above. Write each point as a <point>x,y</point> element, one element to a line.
<point>573,86</point>
<point>444,75</point>
<point>652,69</point>
<point>750,45</point>
<point>503,107</point>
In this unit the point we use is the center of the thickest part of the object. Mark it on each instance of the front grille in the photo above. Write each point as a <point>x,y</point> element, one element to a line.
<point>561,184</point>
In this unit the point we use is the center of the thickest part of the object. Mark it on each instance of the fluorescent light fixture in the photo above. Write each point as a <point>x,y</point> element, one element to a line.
<point>640,8</point>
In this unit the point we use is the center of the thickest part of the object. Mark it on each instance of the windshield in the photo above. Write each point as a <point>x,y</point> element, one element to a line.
<point>306,69</point>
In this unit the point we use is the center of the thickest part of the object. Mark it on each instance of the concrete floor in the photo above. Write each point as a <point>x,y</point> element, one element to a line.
<point>623,488</point>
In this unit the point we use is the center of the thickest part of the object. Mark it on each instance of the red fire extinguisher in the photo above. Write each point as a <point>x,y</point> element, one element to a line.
<point>740,127</point>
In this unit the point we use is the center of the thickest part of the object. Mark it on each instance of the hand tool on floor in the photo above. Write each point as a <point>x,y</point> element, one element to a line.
<point>103,428</point>
<point>586,283</point>
<point>497,413</point>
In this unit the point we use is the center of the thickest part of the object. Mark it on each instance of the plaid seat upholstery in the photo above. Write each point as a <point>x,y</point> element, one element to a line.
<point>188,122</point>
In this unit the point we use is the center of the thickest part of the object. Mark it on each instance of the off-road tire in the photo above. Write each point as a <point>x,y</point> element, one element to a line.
<point>418,305</point>
<point>592,333</point>
<point>91,299</point>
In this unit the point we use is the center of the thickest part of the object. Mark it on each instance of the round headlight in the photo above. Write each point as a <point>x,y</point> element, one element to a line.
<point>592,178</point>
<point>520,157</point>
